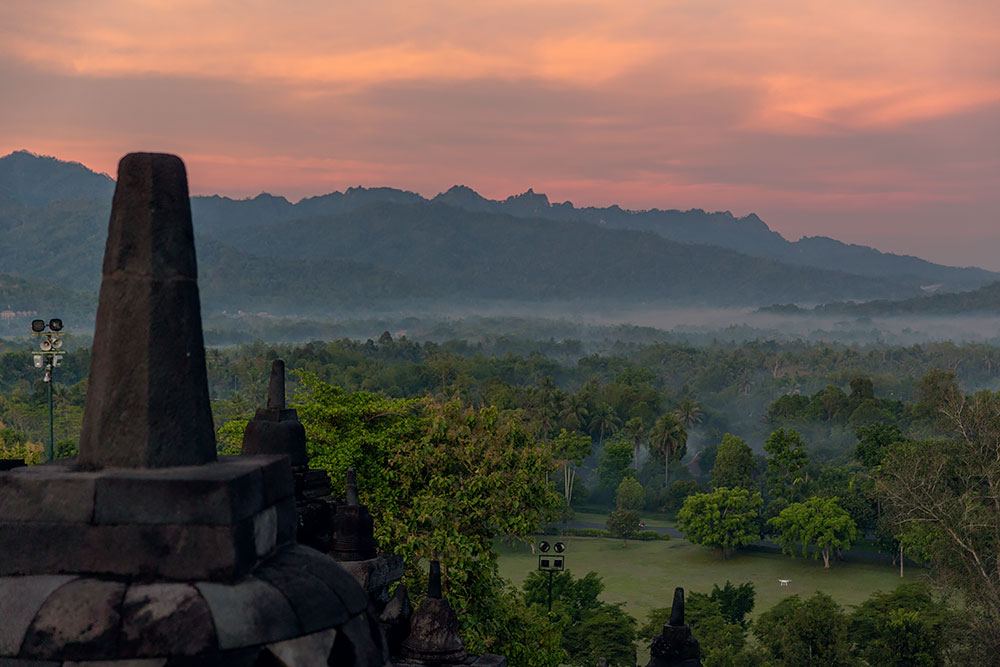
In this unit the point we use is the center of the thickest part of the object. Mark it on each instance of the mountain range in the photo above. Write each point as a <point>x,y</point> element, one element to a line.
<point>385,247</point>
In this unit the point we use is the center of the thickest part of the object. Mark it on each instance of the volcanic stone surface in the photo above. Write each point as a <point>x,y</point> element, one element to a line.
<point>216,521</point>
<point>147,403</point>
<point>276,429</point>
<point>434,634</point>
<point>150,551</point>
<point>65,620</point>
<point>675,646</point>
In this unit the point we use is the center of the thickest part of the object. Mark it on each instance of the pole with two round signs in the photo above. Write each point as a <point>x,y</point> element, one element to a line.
<point>49,358</point>
<point>551,563</point>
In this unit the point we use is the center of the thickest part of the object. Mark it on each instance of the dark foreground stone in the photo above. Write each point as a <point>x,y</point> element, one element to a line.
<point>285,614</point>
<point>147,403</point>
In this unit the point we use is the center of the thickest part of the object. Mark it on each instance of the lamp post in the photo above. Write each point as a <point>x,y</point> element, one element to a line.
<point>551,563</point>
<point>50,356</point>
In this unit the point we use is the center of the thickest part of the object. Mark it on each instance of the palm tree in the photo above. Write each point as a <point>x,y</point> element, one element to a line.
<point>604,421</point>
<point>689,413</point>
<point>574,412</point>
<point>669,437</point>
<point>635,431</point>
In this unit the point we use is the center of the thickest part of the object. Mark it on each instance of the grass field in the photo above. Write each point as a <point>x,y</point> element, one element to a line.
<point>643,574</point>
<point>601,519</point>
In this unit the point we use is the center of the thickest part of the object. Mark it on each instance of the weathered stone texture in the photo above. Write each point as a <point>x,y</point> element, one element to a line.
<point>275,429</point>
<point>148,551</point>
<point>20,600</point>
<point>376,574</point>
<point>166,619</point>
<point>47,493</point>
<point>147,403</point>
<point>250,612</point>
<point>330,573</point>
<point>434,634</point>
<point>311,649</point>
<point>79,621</point>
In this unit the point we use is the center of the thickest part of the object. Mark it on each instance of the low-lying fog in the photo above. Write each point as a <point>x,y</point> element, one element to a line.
<point>587,323</point>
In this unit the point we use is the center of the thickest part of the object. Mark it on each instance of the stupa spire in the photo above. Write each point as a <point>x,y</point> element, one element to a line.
<point>147,403</point>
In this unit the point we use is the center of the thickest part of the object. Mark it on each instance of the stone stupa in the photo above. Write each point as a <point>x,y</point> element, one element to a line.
<point>149,551</point>
<point>675,646</point>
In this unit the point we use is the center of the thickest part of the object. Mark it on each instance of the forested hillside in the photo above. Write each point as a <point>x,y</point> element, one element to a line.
<point>378,248</point>
<point>985,300</point>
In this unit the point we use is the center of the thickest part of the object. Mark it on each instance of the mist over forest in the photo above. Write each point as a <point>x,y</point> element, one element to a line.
<point>652,365</point>
<point>274,270</point>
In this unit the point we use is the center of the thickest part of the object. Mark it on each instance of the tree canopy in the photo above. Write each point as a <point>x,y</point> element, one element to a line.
<point>734,463</point>
<point>818,524</point>
<point>726,518</point>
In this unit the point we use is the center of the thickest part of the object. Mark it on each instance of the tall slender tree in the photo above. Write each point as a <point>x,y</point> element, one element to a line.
<point>689,413</point>
<point>635,431</point>
<point>570,448</point>
<point>605,421</point>
<point>669,438</point>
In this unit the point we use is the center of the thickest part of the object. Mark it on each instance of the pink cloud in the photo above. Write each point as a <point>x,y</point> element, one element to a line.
<point>854,119</point>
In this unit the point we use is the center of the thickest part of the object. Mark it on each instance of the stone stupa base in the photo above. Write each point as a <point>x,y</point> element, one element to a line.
<point>298,609</point>
<point>194,565</point>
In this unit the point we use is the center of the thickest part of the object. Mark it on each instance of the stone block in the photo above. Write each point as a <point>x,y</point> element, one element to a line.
<point>46,493</point>
<point>315,605</point>
<point>375,574</point>
<point>243,657</point>
<point>311,649</point>
<point>250,612</point>
<point>151,662</point>
<point>274,435</point>
<point>213,494</point>
<point>395,619</point>
<point>166,619</point>
<point>179,553</point>
<point>279,483</point>
<point>327,570</point>
<point>79,621</point>
<point>288,521</point>
<point>265,531</point>
<point>361,638</point>
<point>20,600</point>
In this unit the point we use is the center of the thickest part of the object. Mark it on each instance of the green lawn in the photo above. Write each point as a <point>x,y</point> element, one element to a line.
<point>652,520</point>
<point>643,574</point>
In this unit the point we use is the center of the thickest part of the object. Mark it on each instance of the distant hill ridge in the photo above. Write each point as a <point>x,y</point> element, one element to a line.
<point>747,234</point>
<point>982,301</point>
<point>378,245</point>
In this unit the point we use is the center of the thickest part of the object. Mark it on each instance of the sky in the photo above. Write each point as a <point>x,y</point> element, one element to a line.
<point>874,122</point>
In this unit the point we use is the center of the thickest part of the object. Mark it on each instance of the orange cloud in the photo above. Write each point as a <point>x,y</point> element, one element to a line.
<point>795,108</point>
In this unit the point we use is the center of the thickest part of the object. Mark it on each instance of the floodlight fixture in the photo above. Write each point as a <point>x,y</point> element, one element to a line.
<point>559,547</point>
<point>38,326</point>
<point>39,361</point>
<point>56,360</point>
<point>56,324</point>
<point>543,547</point>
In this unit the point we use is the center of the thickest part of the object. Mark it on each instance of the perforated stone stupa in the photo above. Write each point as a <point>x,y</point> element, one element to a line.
<point>149,551</point>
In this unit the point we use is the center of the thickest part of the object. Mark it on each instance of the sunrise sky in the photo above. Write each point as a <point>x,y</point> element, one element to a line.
<point>873,122</point>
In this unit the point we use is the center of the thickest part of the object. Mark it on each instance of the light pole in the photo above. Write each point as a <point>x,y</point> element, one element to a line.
<point>49,358</point>
<point>551,563</point>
